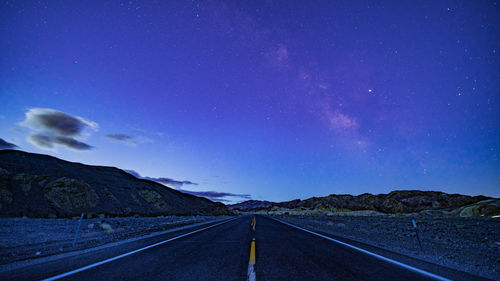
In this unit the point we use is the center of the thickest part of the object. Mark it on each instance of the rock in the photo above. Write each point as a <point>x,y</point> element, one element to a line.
<point>106,227</point>
<point>5,194</point>
<point>24,180</point>
<point>4,177</point>
<point>153,198</point>
<point>488,208</point>
<point>69,195</point>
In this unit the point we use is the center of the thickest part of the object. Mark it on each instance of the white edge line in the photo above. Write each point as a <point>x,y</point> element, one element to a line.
<point>62,275</point>
<point>423,272</point>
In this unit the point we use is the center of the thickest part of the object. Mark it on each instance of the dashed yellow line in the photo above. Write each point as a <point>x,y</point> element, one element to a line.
<point>251,271</point>
<point>252,253</point>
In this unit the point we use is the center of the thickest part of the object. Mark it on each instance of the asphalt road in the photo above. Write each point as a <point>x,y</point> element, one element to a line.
<point>222,252</point>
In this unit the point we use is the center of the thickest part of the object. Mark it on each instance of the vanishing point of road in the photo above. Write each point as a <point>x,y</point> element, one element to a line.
<point>241,248</point>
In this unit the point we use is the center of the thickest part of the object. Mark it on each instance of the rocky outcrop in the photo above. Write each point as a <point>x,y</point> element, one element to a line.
<point>153,198</point>
<point>488,208</point>
<point>70,194</point>
<point>396,202</point>
<point>36,185</point>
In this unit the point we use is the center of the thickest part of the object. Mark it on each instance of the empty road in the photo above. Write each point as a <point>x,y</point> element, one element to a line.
<point>224,251</point>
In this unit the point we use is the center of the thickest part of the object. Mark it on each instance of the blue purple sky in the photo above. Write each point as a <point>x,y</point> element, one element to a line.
<point>271,100</point>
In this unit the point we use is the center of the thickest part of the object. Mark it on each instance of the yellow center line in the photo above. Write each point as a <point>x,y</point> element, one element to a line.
<point>254,223</point>
<point>251,262</point>
<point>252,253</point>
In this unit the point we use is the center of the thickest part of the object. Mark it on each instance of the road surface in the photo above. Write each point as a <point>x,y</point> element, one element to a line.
<point>243,248</point>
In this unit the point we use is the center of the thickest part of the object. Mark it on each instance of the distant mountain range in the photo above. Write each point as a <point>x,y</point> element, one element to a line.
<point>37,185</point>
<point>401,201</point>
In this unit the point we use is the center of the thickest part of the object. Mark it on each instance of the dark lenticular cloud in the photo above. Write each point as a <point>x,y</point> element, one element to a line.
<point>212,195</point>
<point>171,182</point>
<point>41,140</point>
<point>119,137</point>
<point>6,145</point>
<point>166,181</point>
<point>61,123</point>
<point>217,196</point>
<point>72,143</point>
<point>49,127</point>
<point>49,141</point>
<point>122,138</point>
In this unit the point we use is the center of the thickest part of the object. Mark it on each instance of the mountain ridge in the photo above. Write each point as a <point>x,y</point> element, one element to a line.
<point>38,185</point>
<point>395,202</point>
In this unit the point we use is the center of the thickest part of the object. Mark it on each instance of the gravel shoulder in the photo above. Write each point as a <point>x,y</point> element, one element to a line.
<point>28,238</point>
<point>467,244</point>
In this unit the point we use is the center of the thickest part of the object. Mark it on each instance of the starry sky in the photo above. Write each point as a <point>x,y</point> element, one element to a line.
<point>269,100</point>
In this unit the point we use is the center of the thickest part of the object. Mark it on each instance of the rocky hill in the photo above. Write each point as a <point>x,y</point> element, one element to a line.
<point>37,185</point>
<point>401,201</point>
<point>251,205</point>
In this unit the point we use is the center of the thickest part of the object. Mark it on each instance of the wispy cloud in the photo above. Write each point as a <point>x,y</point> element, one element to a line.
<point>49,127</point>
<point>147,132</point>
<point>6,145</point>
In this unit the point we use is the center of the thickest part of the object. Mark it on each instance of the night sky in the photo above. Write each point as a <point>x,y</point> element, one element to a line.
<point>270,100</point>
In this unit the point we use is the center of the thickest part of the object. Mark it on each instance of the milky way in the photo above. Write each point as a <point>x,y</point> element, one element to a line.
<point>275,99</point>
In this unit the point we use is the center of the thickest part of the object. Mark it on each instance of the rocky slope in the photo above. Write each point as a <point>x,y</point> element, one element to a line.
<point>36,185</point>
<point>402,201</point>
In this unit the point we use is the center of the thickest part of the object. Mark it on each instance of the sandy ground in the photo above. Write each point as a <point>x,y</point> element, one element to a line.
<point>467,244</point>
<point>25,238</point>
